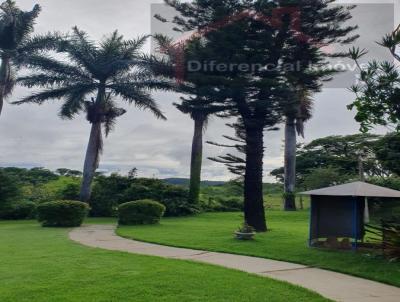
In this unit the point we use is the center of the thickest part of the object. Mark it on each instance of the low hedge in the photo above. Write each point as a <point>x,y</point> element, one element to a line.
<point>64,213</point>
<point>18,210</point>
<point>144,211</point>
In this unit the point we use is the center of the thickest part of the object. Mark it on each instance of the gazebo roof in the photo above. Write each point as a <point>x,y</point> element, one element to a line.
<point>357,188</point>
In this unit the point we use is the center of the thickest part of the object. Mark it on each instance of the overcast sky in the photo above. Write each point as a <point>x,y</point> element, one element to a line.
<point>33,135</point>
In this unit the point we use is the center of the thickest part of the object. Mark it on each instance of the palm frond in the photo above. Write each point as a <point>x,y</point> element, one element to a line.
<point>144,81</point>
<point>43,80</point>
<point>138,97</point>
<point>15,24</point>
<point>52,94</point>
<point>75,101</point>
<point>111,113</point>
<point>81,50</point>
<point>55,67</point>
<point>304,112</point>
<point>39,43</point>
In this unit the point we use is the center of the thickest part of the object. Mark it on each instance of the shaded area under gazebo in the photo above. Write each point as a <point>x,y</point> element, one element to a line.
<point>340,212</point>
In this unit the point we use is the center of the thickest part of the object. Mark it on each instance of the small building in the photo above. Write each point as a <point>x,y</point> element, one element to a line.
<point>340,213</point>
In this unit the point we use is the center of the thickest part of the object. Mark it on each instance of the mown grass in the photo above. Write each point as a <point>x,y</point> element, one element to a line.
<point>42,264</point>
<point>286,240</point>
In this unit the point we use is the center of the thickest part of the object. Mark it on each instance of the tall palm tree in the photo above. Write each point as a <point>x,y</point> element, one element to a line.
<point>112,68</point>
<point>200,110</point>
<point>199,105</point>
<point>296,116</point>
<point>17,43</point>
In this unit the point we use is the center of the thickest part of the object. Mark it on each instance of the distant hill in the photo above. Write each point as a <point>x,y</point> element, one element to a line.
<point>185,182</point>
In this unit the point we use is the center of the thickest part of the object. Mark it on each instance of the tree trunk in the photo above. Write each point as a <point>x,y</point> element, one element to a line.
<point>4,78</point>
<point>253,181</point>
<point>91,161</point>
<point>196,160</point>
<point>290,165</point>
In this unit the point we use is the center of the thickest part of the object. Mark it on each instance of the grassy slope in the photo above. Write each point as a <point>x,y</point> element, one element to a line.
<point>41,264</point>
<point>287,240</point>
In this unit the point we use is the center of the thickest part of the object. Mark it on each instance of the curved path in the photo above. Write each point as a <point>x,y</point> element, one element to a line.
<point>335,286</point>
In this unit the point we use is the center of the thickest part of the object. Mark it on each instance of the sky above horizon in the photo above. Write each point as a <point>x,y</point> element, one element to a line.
<point>34,136</point>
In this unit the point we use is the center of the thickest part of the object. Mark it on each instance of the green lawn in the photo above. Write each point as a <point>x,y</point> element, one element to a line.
<point>42,264</point>
<point>287,240</point>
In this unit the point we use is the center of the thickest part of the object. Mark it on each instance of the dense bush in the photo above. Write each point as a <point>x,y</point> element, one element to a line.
<point>219,204</point>
<point>8,188</point>
<point>18,210</point>
<point>62,213</point>
<point>109,192</point>
<point>140,212</point>
<point>70,192</point>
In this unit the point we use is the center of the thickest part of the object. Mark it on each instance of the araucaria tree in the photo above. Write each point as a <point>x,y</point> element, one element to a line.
<point>17,43</point>
<point>257,53</point>
<point>96,76</point>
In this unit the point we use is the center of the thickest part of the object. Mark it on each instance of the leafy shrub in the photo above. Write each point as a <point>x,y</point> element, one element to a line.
<point>232,204</point>
<point>18,210</point>
<point>109,192</point>
<point>70,192</point>
<point>219,204</point>
<point>9,189</point>
<point>144,211</point>
<point>62,213</point>
<point>176,201</point>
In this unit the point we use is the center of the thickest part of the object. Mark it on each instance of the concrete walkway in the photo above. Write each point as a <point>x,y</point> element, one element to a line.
<point>335,286</point>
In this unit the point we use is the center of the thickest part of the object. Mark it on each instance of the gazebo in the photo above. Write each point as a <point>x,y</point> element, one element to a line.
<point>342,211</point>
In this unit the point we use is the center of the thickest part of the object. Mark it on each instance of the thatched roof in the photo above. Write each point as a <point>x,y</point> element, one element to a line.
<point>356,189</point>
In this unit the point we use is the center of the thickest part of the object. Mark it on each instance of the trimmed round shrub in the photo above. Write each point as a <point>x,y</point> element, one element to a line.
<point>18,210</point>
<point>144,211</point>
<point>63,213</point>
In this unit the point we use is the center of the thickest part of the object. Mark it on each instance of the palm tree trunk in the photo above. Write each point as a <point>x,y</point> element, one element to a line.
<point>253,181</point>
<point>290,165</point>
<point>4,77</point>
<point>91,161</point>
<point>196,160</point>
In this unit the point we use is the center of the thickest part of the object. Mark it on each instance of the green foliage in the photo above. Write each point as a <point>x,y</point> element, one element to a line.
<point>62,213</point>
<point>70,192</point>
<point>140,212</point>
<point>109,192</point>
<point>387,151</point>
<point>341,153</point>
<point>34,176</point>
<point>18,210</point>
<point>9,189</point>
<point>378,91</point>
<point>220,204</point>
<point>324,177</point>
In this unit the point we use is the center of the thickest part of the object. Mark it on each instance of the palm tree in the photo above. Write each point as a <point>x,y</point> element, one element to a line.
<point>16,43</point>
<point>200,109</point>
<point>296,116</point>
<point>199,104</point>
<point>112,68</point>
